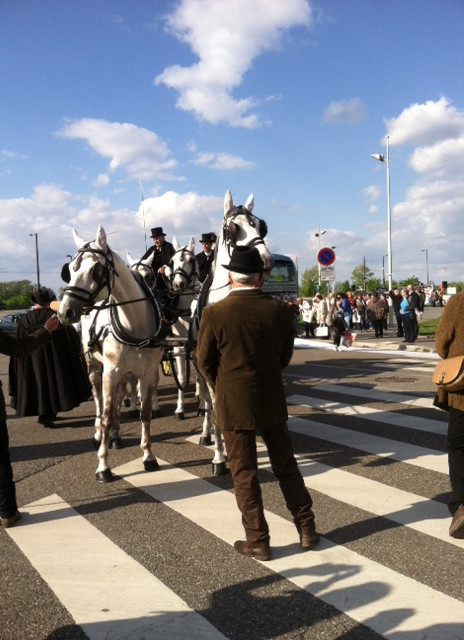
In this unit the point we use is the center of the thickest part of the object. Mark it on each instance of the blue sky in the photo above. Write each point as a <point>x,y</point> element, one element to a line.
<point>105,102</point>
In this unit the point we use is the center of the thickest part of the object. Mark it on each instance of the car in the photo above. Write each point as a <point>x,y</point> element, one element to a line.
<point>8,323</point>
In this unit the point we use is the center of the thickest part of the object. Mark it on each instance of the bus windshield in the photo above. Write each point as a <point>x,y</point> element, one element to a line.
<point>282,281</point>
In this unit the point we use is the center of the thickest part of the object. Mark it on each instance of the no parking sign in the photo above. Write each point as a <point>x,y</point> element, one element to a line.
<point>326,257</point>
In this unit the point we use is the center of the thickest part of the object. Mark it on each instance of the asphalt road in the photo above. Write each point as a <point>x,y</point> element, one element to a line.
<point>150,555</point>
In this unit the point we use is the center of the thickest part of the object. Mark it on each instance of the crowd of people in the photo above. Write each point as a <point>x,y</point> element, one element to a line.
<point>343,313</point>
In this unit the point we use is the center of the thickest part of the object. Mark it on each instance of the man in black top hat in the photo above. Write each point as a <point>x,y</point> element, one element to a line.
<point>206,257</point>
<point>163,252</point>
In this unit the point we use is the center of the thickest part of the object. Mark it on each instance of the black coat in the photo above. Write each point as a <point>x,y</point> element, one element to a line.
<point>53,378</point>
<point>204,264</point>
<point>162,256</point>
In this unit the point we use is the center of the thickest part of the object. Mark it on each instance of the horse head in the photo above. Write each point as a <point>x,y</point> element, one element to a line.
<point>182,271</point>
<point>241,228</point>
<point>143,269</point>
<point>89,276</point>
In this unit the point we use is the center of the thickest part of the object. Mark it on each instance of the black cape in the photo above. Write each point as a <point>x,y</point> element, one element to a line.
<point>53,378</point>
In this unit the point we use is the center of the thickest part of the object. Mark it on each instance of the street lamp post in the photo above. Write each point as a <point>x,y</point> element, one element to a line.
<point>383,268</point>
<point>318,236</point>
<point>381,158</point>
<point>426,251</point>
<point>37,258</point>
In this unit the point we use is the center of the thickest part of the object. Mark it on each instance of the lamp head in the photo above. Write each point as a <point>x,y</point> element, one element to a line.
<point>378,156</point>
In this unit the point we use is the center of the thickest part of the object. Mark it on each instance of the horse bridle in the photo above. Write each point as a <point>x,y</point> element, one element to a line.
<point>189,277</point>
<point>103,274</point>
<point>230,229</point>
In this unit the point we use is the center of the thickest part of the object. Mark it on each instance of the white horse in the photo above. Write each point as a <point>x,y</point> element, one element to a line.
<point>181,275</point>
<point>239,228</point>
<point>130,340</point>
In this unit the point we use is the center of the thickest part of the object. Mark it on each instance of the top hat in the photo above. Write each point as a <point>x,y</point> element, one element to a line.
<point>206,237</point>
<point>157,231</point>
<point>245,260</point>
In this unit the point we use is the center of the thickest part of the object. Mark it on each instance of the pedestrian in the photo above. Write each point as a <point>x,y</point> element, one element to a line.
<point>336,322</point>
<point>244,342</point>
<point>449,342</point>
<point>19,347</point>
<point>163,252</point>
<point>376,314</point>
<point>206,257</point>
<point>396,299</point>
<point>415,309</point>
<point>52,379</point>
<point>407,320</point>
<point>345,305</point>
<point>307,313</point>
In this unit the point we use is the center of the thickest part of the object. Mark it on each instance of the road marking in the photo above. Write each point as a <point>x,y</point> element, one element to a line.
<point>410,454</point>
<point>374,394</point>
<point>108,594</point>
<point>376,415</point>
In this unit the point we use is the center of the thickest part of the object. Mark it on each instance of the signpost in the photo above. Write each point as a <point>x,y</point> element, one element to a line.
<point>326,258</point>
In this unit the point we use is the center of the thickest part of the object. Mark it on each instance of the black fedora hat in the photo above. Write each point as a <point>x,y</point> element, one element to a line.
<point>245,260</point>
<point>42,297</point>
<point>206,237</point>
<point>157,231</point>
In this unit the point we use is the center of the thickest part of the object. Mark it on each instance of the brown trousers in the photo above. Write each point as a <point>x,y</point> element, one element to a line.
<point>243,465</point>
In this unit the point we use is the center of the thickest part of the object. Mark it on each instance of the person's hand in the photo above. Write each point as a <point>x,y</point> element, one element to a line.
<point>52,323</point>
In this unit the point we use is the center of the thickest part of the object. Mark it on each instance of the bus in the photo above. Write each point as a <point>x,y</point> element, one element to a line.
<point>282,281</point>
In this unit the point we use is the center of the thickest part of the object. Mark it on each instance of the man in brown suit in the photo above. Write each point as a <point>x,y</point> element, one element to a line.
<point>449,342</point>
<point>243,343</point>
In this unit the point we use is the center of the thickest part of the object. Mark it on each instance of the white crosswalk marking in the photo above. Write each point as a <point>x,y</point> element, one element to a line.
<point>107,593</point>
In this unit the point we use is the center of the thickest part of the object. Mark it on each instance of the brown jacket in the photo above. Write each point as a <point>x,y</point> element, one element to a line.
<point>20,347</point>
<point>243,343</point>
<point>449,342</point>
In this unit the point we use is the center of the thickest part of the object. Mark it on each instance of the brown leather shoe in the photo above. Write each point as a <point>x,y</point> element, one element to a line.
<point>456,529</point>
<point>308,538</point>
<point>258,550</point>
<point>9,522</point>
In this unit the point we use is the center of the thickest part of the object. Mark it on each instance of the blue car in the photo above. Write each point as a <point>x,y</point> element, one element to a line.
<point>9,323</point>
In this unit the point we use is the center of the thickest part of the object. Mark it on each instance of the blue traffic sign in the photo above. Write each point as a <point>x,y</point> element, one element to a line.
<point>326,257</point>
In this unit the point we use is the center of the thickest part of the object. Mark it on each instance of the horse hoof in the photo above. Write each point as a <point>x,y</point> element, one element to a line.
<point>156,413</point>
<point>104,476</point>
<point>151,465</point>
<point>206,441</point>
<point>201,413</point>
<point>115,443</point>
<point>133,413</point>
<point>180,415</point>
<point>96,444</point>
<point>219,468</point>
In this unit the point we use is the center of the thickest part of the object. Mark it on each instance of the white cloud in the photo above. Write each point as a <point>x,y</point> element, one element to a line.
<point>187,211</point>
<point>371,193</point>
<point>446,158</point>
<point>345,112</point>
<point>101,180</point>
<point>226,44</point>
<point>222,161</point>
<point>426,123</point>
<point>139,152</point>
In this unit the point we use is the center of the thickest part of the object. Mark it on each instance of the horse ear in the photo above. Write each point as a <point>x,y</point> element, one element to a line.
<point>228,202</point>
<point>79,240</point>
<point>250,203</point>
<point>130,259</point>
<point>100,240</point>
<point>175,244</point>
<point>192,244</point>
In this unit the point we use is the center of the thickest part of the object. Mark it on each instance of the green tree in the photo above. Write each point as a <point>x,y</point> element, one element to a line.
<point>360,276</point>
<point>414,280</point>
<point>309,280</point>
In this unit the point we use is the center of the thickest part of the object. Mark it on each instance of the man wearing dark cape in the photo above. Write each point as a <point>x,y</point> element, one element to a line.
<point>53,378</point>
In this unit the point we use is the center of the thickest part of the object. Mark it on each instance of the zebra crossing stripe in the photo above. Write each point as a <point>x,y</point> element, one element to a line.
<point>108,594</point>
<point>411,454</point>
<point>355,585</point>
<point>382,396</point>
<point>370,413</point>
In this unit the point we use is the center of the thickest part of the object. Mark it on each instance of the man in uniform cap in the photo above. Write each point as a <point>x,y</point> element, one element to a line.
<point>206,257</point>
<point>244,341</point>
<point>163,252</point>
